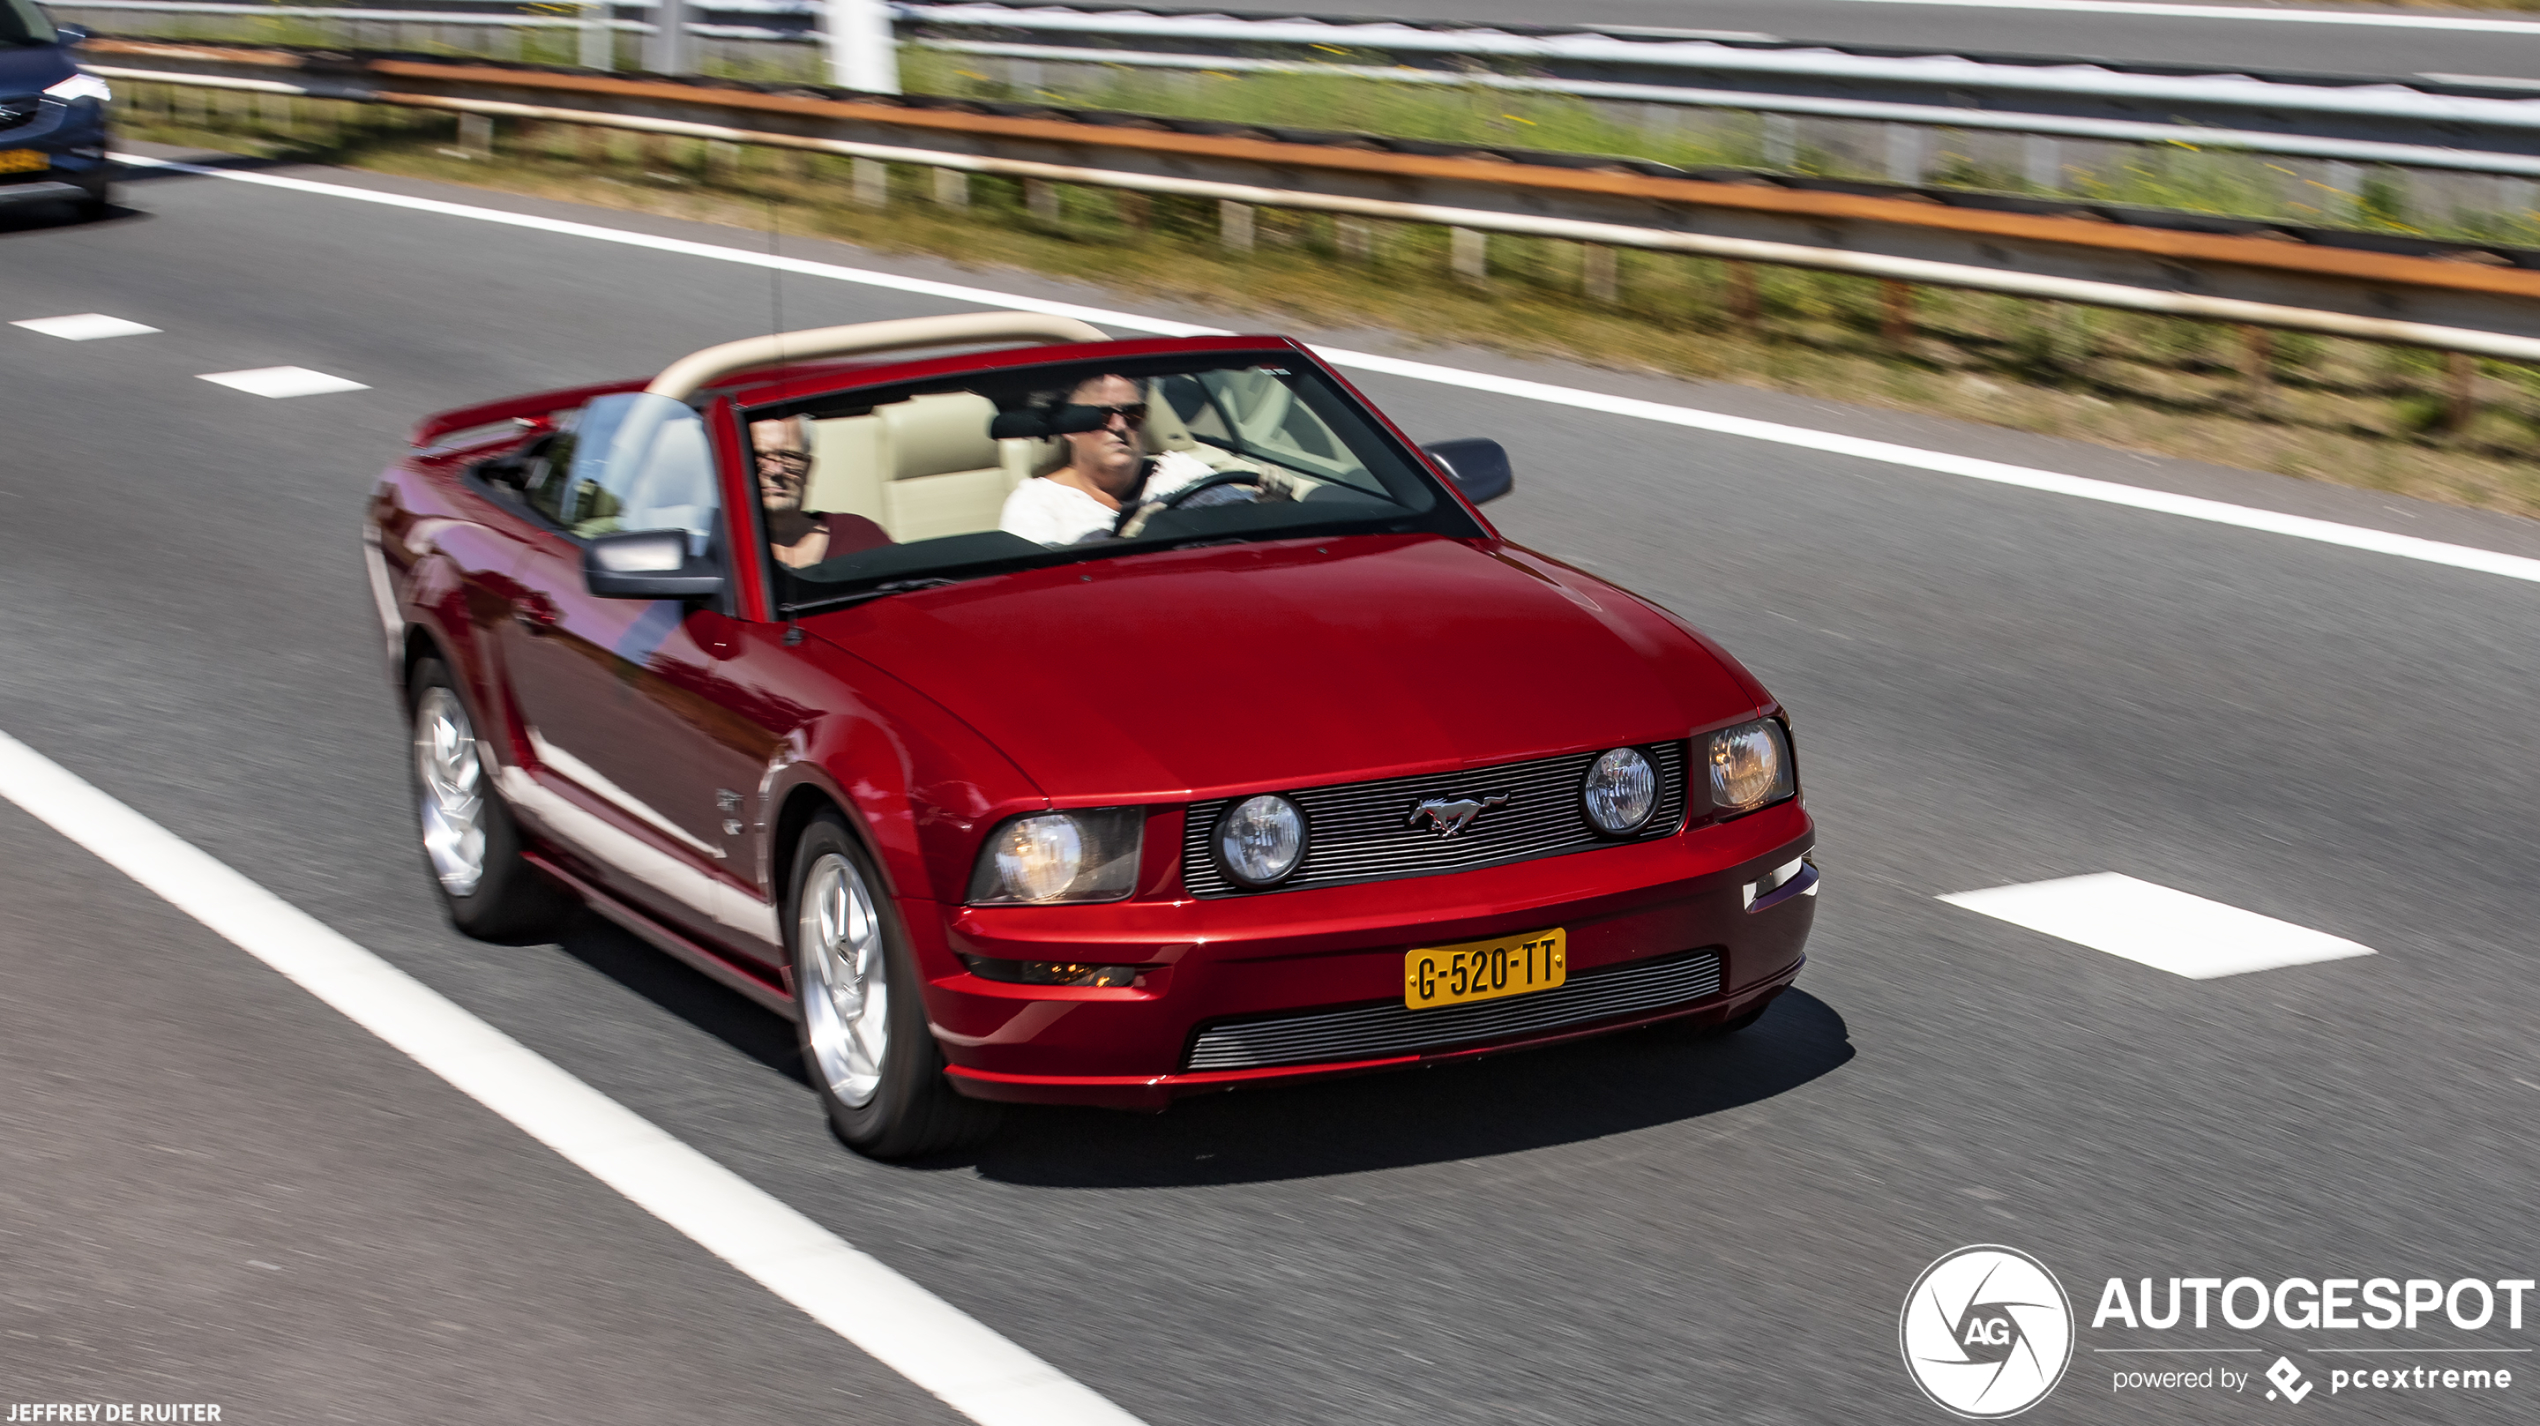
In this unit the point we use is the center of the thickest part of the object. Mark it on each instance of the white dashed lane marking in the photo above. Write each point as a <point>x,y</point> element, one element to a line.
<point>282,381</point>
<point>2164,929</point>
<point>84,327</point>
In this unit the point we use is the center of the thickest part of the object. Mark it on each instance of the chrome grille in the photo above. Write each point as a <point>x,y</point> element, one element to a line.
<point>1375,1031</point>
<point>1361,831</point>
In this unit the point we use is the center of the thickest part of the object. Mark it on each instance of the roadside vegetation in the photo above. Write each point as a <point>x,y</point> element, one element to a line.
<point>2181,176</point>
<point>2353,413</point>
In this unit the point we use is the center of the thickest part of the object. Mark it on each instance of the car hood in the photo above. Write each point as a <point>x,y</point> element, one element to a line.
<point>1206,672</point>
<point>33,70</point>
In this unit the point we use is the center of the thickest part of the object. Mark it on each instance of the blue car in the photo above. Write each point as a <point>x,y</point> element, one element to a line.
<point>52,117</point>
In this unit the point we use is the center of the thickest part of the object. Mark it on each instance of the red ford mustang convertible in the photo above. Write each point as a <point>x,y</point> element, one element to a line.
<point>1038,717</point>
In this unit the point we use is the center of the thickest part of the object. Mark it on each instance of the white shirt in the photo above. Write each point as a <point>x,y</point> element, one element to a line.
<point>1048,513</point>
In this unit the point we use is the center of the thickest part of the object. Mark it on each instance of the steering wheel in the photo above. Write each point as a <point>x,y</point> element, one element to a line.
<point>1148,509</point>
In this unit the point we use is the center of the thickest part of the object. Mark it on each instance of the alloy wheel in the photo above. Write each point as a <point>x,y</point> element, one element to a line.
<point>846,1000</point>
<point>451,790</point>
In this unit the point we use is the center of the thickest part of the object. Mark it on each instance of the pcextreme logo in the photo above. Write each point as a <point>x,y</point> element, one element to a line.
<point>1986,1332</point>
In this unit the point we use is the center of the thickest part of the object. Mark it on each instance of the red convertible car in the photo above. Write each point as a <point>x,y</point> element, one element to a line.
<point>1038,717</point>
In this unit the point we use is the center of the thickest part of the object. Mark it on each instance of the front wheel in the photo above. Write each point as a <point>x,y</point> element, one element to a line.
<point>865,1041</point>
<point>469,839</point>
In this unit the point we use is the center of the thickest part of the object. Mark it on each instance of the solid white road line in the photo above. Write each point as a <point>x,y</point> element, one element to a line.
<point>2301,527</point>
<point>2164,929</point>
<point>85,327</point>
<point>281,381</point>
<point>2272,15</point>
<point>908,1329</point>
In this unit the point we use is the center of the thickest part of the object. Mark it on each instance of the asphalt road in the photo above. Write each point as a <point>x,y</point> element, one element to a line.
<point>2405,46</point>
<point>213,1189</point>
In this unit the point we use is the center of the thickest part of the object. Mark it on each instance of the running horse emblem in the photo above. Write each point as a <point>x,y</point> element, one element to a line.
<point>1448,816</point>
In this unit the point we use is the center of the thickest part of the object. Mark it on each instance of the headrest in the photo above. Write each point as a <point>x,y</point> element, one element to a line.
<point>931,435</point>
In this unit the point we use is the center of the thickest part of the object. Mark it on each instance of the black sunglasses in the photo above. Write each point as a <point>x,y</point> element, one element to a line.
<point>1135,413</point>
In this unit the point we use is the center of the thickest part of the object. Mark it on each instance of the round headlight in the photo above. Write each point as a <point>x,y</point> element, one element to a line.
<point>1620,792</point>
<point>1260,840</point>
<point>1749,765</point>
<point>1039,856</point>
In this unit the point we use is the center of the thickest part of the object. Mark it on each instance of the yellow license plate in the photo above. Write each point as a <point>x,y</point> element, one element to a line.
<point>23,160</point>
<point>1484,970</point>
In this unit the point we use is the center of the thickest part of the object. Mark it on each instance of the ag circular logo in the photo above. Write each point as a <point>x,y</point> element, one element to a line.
<point>1986,1332</point>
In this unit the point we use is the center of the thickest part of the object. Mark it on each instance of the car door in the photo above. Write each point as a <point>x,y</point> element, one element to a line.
<point>646,754</point>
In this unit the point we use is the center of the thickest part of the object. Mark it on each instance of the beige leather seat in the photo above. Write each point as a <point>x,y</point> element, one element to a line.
<point>921,469</point>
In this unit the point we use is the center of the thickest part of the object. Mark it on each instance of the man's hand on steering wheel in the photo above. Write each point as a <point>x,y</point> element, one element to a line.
<point>1228,481</point>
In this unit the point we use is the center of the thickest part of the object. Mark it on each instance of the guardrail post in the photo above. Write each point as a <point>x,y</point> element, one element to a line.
<point>862,53</point>
<point>872,183</point>
<point>666,49</point>
<point>1905,153</point>
<point>1136,211</point>
<point>476,135</point>
<point>1896,312</point>
<point>2045,162</point>
<point>1597,275</point>
<point>1468,252</point>
<point>1040,198</point>
<point>1234,224</point>
<point>1781,141</point>
<point>1355,237</point>
<point>2257,359</point>
<point>1745,302</point>
<point>598,41</point>
<point>2463,369</point>
<point>952,188</point>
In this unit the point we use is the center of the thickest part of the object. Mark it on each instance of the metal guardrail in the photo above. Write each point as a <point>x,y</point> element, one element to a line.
<point>2418,122</point>
<point>2450,297</point>
<point>2415,122</point>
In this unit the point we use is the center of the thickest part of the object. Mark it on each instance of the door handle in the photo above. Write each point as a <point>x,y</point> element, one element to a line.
<point>535,614</point>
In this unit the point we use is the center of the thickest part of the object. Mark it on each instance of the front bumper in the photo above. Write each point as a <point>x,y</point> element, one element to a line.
<point>1205,963</point>
<point>72,139</point>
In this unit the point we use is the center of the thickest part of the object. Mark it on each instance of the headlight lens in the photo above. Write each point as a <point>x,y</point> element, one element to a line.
<point>1620,792</point>
<point>1750,766</point>
<point>1260,840</point>
<point>80,86</point>
<point>1060,856</point>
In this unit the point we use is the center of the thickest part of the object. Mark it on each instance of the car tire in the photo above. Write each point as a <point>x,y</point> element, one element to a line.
<point>471,845</point>
<point>867,1048</point>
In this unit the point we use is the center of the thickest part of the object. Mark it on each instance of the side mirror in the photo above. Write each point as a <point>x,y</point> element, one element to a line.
<point>648,564</point>
<point>1478,467</point>
<point>71,34</point>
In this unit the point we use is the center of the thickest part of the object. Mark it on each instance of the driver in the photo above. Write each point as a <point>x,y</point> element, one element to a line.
<point>1107,470</point>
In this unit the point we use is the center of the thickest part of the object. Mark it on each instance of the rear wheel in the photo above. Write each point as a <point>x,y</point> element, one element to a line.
<point>865,1040</point>
<point>469,839</point>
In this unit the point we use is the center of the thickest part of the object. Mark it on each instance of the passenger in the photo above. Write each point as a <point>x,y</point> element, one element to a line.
<point>1107,469</point>
<point>799,537</point>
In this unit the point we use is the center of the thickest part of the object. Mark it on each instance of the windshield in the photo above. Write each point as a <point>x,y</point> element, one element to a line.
<point>876,490</point>
<point>23,25</point>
